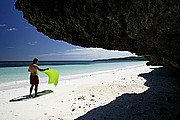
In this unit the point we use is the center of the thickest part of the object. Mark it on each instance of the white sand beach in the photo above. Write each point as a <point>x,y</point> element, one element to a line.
<point>130,94</point>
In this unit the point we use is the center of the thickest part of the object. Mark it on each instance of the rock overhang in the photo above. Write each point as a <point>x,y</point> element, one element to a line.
<point>149,28</point>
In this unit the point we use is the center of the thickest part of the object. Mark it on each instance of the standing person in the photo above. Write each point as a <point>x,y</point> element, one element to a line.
<point>34,79</point>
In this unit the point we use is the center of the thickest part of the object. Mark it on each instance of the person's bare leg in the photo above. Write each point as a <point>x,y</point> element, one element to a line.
<point>31,88</point>
<point>36,89</point>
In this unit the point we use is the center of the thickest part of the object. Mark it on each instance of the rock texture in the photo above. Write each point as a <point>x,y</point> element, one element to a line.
<point>150,28</point>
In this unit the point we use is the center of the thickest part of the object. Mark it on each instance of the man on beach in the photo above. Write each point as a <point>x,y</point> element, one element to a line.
<point>34,79</point>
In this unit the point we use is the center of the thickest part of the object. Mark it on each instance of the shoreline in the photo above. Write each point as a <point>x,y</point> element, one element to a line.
<point>43,80</point>
<point>123,93</point>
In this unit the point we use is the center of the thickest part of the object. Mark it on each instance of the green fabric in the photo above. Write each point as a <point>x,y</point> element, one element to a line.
<point>53,76</point>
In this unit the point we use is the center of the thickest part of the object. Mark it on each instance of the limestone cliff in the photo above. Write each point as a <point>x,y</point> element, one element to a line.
<point>146,27</point>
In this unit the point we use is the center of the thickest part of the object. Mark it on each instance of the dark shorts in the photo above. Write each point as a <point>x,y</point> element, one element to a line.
<point>34,79</point>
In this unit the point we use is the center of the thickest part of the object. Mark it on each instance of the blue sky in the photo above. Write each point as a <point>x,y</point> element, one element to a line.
<point>19,40</point>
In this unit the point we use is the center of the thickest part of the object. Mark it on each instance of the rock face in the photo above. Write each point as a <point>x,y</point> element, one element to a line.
<point>150,28</point>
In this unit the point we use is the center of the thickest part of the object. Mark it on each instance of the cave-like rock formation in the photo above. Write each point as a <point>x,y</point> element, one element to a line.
<point>150,28</point>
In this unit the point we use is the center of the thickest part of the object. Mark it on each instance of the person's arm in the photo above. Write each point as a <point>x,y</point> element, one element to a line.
<point>29,69</point>
<point>42,69</point>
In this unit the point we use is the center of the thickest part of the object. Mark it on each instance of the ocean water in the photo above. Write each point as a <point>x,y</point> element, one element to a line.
<point>18,71</point>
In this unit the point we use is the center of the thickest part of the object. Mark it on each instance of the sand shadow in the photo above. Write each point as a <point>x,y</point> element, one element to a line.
<point>26,97</point>
<point>160,102</point>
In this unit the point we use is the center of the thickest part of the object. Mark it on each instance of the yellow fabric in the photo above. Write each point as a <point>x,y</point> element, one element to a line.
<point>53,76</point>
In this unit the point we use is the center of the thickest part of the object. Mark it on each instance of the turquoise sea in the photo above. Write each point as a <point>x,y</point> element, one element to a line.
<point>11,71</point>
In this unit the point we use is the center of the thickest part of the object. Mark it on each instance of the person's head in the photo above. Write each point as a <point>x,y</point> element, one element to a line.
<point>35,61</point>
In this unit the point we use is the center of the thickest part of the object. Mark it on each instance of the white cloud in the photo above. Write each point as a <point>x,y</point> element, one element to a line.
<point>11,29</point>
<point>97,53</point>
<point>85,54</point>
<point>33,43</point>
<point>48,55</point>
<point>3,25</point>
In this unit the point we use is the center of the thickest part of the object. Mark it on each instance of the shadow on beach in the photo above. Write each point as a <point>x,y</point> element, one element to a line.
<point>26,97</point>
<point>160,102</point>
